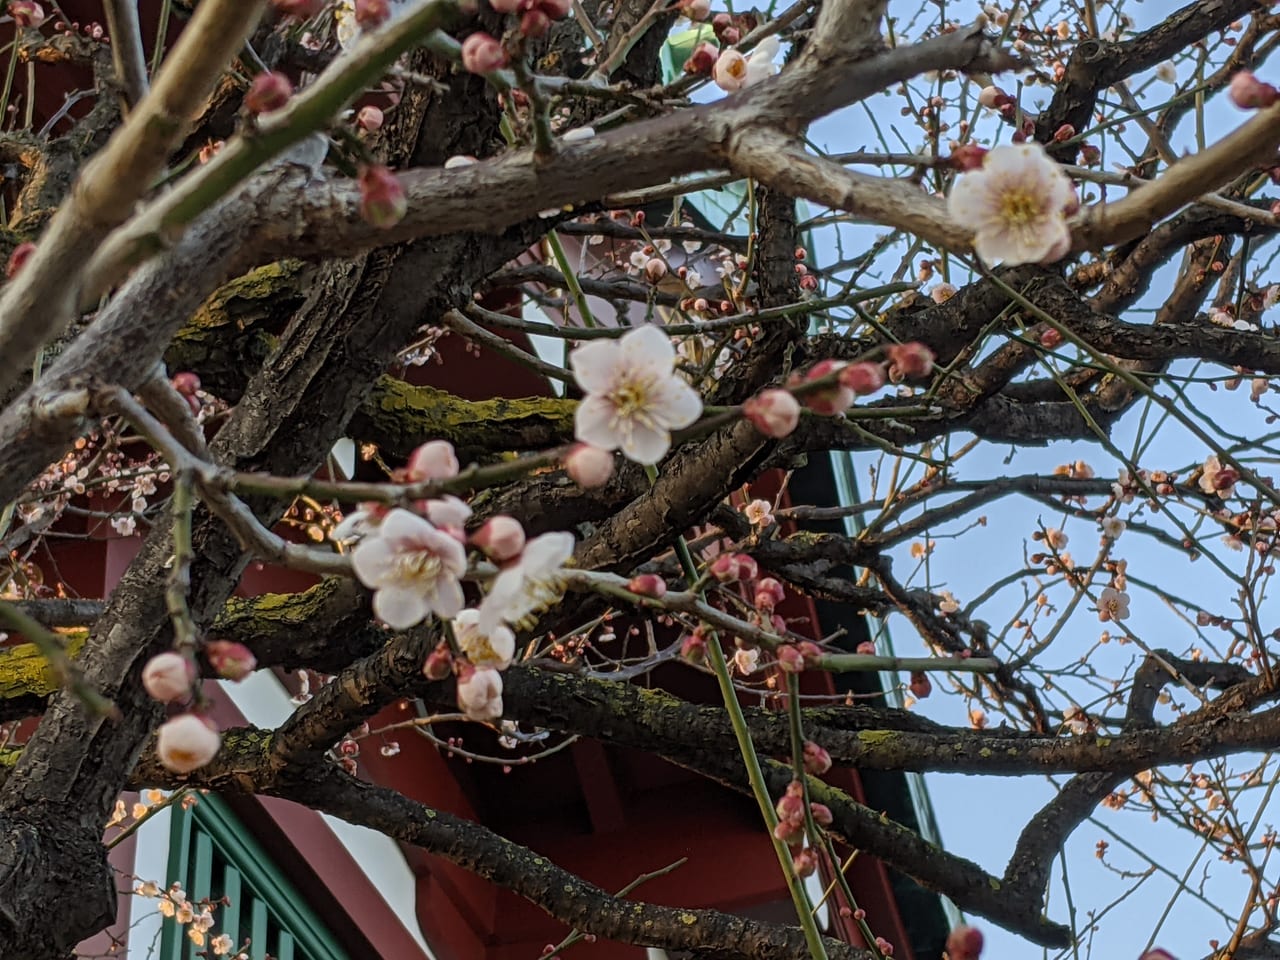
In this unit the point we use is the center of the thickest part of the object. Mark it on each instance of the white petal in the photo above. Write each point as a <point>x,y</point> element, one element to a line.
<point>595,365</point>
<point>448,511</point>
<point>648,347</point>
<point>373,560</point>
<point>646,445</point>
<point>971,200</point>
<point>678,404</point>
<point>593,423</point>
<point>546,552</point>
<point>445,597</point>
<point>400,607</point>
<point>401,526</point>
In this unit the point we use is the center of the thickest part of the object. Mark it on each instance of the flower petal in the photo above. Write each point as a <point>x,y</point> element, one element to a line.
<point>373,561</point>
<point>646,445</point>
<point>401,526</point>
<point>648,346</point>
<point>594,423</point>
<point>400,607</point>
<point>595,365</point>
<point>444,596</point>
<point>677,404</point>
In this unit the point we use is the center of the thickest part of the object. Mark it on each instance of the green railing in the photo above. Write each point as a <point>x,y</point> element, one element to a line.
<point>213,856</point>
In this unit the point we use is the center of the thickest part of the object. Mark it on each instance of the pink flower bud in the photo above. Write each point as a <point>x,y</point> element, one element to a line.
<point>703,59</point>
<point>911,360</point>
<point>18,259</point>
<point>816,759</point>
<point>655,269</point>
<point>26,13</point>
<point>829,400</point>
<point>790,658</point>
<point>479,692</point>
<point>432,461</point>
<point>790,806</point>
<point>187,742</point>
<point>821,814</point>
<point>805,863</point>
<point>809,650</point>
<point>769,593</point>
<point>1247,91</point>
<point>966,157</point>
<point>965,943</point>
<point>269,91</point>
<point>774,413</point>
<point>1226,478</point>
<point>920,686</point>
<point>232,661</point>
<point>788,832</point>
<point>992,97</point>
<point>694,647</point>
<point>589,466</point>
<point>732,567</point>
<point>168,677</point>
<point>348,747</point>
<point>863,377</point>
<point>382,199</point>
<point>647,585</point>
<point>501,538</point>
<point>369,118</point>
<point>534,24</point>
<point>439,662</point>
<point>186,383</point>
<point>298,8</point>
<point>1064,133</point>
<point>696,10</point>
<point>371,14</point>
<point>867,648</point>
<point>481,53</point>
<point>1051,339</point>
<point>1090,156</point>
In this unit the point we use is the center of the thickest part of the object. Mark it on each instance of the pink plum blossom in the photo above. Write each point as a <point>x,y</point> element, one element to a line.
<point>1016,205</point>
<point>634,396</point>
<point>412,567</point>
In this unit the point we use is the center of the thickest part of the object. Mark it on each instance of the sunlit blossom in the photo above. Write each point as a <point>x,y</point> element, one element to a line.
<point>413,569</point>
<point>532,583</point>
<point>634,396</point>
<point>1016,205</point>
<point>1113,605</point>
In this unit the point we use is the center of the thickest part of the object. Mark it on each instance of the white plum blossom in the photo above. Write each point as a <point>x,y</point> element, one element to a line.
<point>492,649</point>
<point>634,396</point>
<point>1016,203</point>
<point>413,568</point>
<point>1113,604</point>
<point>733,71</point>
<point>531,583</point>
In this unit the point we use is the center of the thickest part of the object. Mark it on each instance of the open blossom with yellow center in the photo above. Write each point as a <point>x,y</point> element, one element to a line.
<point>634,396</point>
<point>1017,204</point>
<point>413,567</point>
<point>493,649</point>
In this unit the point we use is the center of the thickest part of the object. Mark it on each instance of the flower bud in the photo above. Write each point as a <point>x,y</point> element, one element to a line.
<point>809,650</point>
<point>769,593</point>
<point>1250,93</point>
<point>805,863</point>
<point>26,13</point>
<point>992,96</point>
<point>186,383</point>
<point>589,466</point>
<point>694,647</point>
<point>534,24</point>
<point>371,14</point>
<point>821,814</point>
<point>432,461</point>
<point>830,400</point>
<point>369,118</point>
<point>348,747</point>
<point>696,10</point>
<point>1064,133</point>
<point>774,413</point>
<point>732,567</point>
<point>816,759</point>
<point>790,659</point>
<point>439,662</point>
<point>479,692</point>
<point>703,59</point>
<point>18,259</point>
<point>965,943</point>
<point>481,53</point>
<point>168,677</point>
<point>501,538</point>
<point>966,157</point>
<point>382,199</point>
<point>863,377</point>
<point>231,660</point>
<point>187,742</point>
<point>655,269</point>
<point>920,685</point>
<point>911,360</point>
<point>269,91</point>
<point>1090,156</point>
<point>647,585</point>
<point>790,806</point>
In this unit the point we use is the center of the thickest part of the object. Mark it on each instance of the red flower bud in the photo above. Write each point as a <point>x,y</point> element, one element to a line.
<point>920,686</point>
<point>732,567</point>
<point>911,360</point>
<point>967,156</point>
<point>382,199</point>
<point>647,585</point>
<point>829,400</point>
<point>805,862</point>
<point>816,759</point>
<point>965,943</point>
<point>1249,92</point>
<point>481,53</point>
<point>863,378</point>
<point>231,660</point>
<point>694,647</point>
<point>769,593</point>
<point>269,91</point>
<point>439,663</point>
<point>186,383</point>
<point>702,60</point>
<point>821,814</point>
<point>774,413</point>
<point>790,658</point>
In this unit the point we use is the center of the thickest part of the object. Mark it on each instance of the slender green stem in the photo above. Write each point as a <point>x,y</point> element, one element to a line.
<point>175,593</point>
<point>570,278</point>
